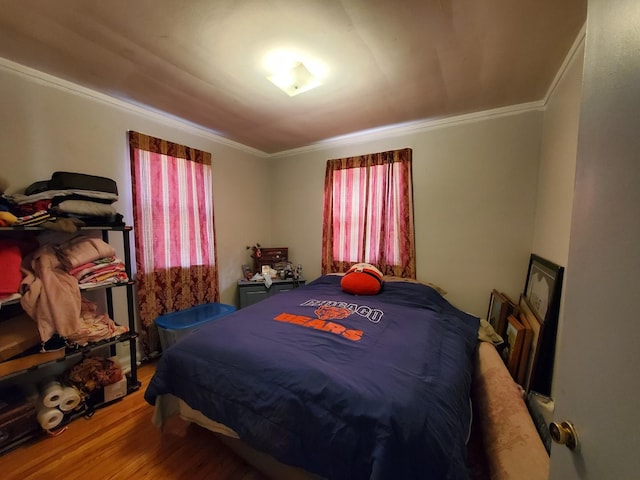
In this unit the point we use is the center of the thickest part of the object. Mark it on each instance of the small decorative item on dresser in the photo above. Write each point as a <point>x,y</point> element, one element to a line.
<point>246,272</point>
<point>256,251</point>
<point>269,256</point>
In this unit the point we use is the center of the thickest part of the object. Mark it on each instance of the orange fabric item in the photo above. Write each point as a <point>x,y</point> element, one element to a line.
<point>362,279</point>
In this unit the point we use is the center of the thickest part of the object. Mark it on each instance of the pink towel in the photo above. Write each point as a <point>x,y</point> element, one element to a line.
<point>50,295</point>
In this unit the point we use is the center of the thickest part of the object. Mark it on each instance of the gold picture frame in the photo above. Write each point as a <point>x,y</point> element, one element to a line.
<point>513,341</point>
<point>531,362</point>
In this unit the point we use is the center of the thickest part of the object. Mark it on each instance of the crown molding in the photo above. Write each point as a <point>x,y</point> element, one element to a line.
<point>389,131</point>
<point>568,60</point>
<point>166,119</point>
<point>419,126</point>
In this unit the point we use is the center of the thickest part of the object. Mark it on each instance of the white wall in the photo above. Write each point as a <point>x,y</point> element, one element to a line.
<point>474,185</point>
<point>49,125</point>
<point>475,181</point>
<point>488,192</point>
<point>556,176</point>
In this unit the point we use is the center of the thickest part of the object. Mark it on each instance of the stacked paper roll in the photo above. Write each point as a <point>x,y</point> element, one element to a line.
<point>51,394</point>
<point>54,401</point>
<point>69,399</point>
<point>49,417</point>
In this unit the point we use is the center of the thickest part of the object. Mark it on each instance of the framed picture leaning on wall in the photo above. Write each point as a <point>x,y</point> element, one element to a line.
<point>498,312</point>
<point>542,291</point>
<point>544,280</point>
<point>534,350</point>
<point>514,339</point>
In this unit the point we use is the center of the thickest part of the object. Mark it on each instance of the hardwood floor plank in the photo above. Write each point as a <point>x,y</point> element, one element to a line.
<point>120,442</point>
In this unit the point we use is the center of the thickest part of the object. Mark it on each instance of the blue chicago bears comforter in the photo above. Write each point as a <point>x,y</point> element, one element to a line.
<point>347,387</point>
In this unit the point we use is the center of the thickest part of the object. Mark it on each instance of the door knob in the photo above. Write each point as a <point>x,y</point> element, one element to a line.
<point>565,434</point>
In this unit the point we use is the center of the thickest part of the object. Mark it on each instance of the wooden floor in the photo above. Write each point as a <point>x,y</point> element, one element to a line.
<point>119,442</point>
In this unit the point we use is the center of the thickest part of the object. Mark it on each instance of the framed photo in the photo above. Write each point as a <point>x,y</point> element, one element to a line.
<point>542,291</point>
<point>524,363</point>
<point>543,283</point>
<point>497,314</point>
<point>500,307</point>
<point>514,339</point>
<point>530,368</point>
<point>246,272</point>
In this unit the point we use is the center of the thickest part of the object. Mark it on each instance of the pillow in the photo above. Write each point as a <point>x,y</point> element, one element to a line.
<point>437,288</point>
<point>362,279</point>
<point>486,333</point>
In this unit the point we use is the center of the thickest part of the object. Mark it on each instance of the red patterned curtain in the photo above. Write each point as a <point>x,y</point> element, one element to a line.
<point>368,213</point>
<point>174,229</point>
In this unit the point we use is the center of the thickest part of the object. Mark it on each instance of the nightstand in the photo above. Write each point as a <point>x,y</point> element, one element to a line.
<point>252,292</point>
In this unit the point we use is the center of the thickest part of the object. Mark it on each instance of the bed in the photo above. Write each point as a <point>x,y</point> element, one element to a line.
<point>336,385</point>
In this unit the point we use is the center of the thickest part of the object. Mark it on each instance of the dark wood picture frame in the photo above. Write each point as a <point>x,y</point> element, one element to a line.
<point>534,350</point>
<point>513,339</point>
<point>499,310</point>
<point>543,284</point>
<point>542,292</point>
<point>270,256</point>
<point>525,351</point>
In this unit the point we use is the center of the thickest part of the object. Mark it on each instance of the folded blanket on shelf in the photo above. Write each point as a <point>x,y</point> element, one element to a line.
<point>20,199</point>
<point>85,207</point>
<point>51,295</point>
<point>82,249</point>
<point>95,326</point>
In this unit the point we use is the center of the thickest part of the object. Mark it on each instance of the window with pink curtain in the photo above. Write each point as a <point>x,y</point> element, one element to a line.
<point>368,213</point>
<point>173,226</point>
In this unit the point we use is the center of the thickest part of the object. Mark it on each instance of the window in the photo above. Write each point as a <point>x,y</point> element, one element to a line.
<point>174,226</point>
<point>368,213</point>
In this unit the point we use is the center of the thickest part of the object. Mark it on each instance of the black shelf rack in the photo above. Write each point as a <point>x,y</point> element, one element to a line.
<point>73,352</point>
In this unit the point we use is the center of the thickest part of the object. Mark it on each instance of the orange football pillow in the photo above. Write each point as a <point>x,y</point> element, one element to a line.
<point>362,279</point>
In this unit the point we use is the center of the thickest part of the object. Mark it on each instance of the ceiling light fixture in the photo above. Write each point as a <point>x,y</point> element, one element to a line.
<point>295,79</point>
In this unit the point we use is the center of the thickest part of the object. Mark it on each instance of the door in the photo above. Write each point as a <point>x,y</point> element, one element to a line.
<point>597,379</point>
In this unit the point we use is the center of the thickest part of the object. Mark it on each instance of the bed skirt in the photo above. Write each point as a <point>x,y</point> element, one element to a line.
<point>168,405</point>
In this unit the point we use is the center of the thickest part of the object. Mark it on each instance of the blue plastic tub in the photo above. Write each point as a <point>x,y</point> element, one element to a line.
<point>172,326</point>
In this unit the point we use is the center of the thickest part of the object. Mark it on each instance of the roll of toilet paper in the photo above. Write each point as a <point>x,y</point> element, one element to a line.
<point>51,394</point>
<point>49,418</point>
<point>69,399</point>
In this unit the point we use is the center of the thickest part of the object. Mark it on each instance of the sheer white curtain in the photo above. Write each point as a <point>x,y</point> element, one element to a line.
<point>174,228</point>
<point>368,213</point>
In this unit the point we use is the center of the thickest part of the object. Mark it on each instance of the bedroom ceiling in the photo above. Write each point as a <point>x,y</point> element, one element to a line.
<point>382,62</point>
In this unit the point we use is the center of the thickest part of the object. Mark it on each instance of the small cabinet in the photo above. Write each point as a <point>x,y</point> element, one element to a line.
<point>252,292</point>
